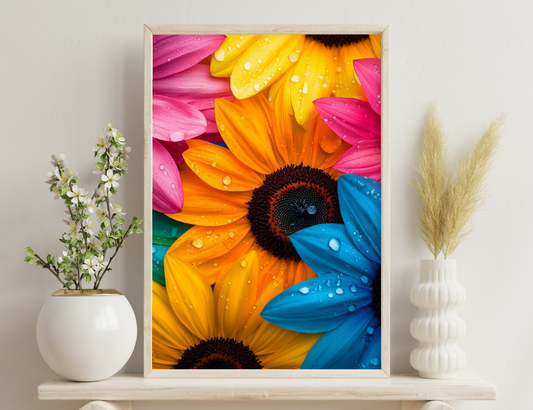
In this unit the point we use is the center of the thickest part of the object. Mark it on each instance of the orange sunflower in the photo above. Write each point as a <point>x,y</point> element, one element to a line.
<point>316,66</point>
<point>194,327</point>
<point>275,179</point>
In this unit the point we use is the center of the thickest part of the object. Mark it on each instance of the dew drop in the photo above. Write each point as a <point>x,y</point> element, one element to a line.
<point>324,84</point>
<point>293,57</point>
<point>353,288</point>
<point>339,282</point>
<point>364,279</point>
<point>351,308</point>
<point>305,88</point>
<point>213,164</point>
<point>339,291</point>
<point>304,290</point>
<point>154,249</point>
<point>374,361</point>
<point>339,69</point>
<point>295,78</point>
<point>226,180</point>
<point>247,65</point>
<point>198,243</point>
<point>328,283</point>
<point>257,87</point>
<point>174,232</point>
<point>244,263</point>
<point>161,166</point>
<point>259,60</point>
<point>330,295</point>
<point>173,186</point>
<point>231,235</point>
<point>334,245</point>
<point>311,209</point>
<point>221,127</point>
<point>370,330</point>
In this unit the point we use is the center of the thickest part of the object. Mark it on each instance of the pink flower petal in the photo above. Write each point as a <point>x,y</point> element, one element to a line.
<point>167,192</point>
<point>351,119</point>
<point>173,54</point>
<point>211,122</point>
<point>195,86</point>
<point>362,159</point>
<point>368,71</point>
<point>175,120</point>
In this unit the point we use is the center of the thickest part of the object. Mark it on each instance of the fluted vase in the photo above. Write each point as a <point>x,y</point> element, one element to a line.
<point>437,327</point>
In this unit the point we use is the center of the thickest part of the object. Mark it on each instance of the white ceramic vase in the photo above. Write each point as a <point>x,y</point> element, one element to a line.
<point>88,336</point>
<point>437,327</point>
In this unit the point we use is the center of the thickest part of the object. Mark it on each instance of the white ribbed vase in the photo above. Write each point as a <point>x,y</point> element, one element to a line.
<point>437,327</point>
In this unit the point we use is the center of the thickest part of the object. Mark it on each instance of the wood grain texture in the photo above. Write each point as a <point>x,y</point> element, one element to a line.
<point>108,405</point>
<point>425,405</point>
<point>149,31</point>
<point>397,387</point>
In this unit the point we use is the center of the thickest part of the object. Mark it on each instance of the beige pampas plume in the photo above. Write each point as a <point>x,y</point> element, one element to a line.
<point>449,201</point>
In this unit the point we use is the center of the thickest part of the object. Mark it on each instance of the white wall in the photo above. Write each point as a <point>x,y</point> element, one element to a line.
<point>68,67</point>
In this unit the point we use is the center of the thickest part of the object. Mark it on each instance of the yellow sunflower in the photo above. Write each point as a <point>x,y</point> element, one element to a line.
<point>316,66</point>
<point>194,327</point>
<point>275,179</point>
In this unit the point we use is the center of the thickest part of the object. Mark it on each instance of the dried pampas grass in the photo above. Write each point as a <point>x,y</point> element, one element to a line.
<point>449,201</point>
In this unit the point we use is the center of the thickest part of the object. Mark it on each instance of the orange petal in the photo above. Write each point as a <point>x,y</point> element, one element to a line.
<point>235,295</point>
<point>314,77</point>
<point>206,206</point>
<point>204,244</point>
<point>218,267</point>
<point>246,133</point>
<point>293,354</point>
<point>190,297</point>
<point>218,167</point>
<point>347,83</point>
<point>225,58</point>
<point>166,328</point>
<point>375,40</point>
<point>264,62</point>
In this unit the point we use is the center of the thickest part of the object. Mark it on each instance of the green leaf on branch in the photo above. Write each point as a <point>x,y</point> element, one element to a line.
<point>30,251</point>
<point>138,230</point>
<point>121,221</point>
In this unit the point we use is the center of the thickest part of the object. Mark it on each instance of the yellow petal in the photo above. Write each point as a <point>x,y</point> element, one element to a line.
<point>190,297</point>
<point>217,267</point>
<point>264,62</point>
<point>347,84</point>
<point>235,295</point>
<point>246,137</point>
<point>206,206</point>
<point>224,59</point>
<point>314,77</point>
<point>157,366</point>
<point>269,338</point>
<point>218,167</point>
<point>293,354</point>
<point>163,354</point>
<point>202,244</point>
<point>166,328</point>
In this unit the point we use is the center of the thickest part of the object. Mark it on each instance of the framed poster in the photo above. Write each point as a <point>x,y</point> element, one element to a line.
<point>266,201</point>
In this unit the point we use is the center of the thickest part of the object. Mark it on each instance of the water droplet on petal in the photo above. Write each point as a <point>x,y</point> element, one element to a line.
<point>231,235</point>
<point>244,263</point>
<point>305,88</point>
<point>328,283</point>
<point>370,330</point>
<point>247,65</point>
<point>304,290</point>
<point>339,291</point>
<point>226,180</point>
<point>154,249</point>
<point>174,232</point>
<point>213,164</point>
<point>339,69</point>
<point>374,361</point>
<point>364,279</point>
<point>311,209</point>
<point>198,243</point>
<point>220,55</point>
<point>161,166</point>
<point>334,244</point>
<point>257,87</point>
<point>351,308</point>
<point>221,127</point>
<point>330,295</point>
<point>295,78</point>
<point>353,288</point>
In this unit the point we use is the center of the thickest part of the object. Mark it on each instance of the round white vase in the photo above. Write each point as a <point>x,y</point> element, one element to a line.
<point>437,327</point>
<point>86,336</point>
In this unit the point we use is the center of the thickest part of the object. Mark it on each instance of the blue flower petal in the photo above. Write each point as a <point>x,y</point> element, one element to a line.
<point>319,304</point>
<point>158,256</point>
<point>326,248</point>
<point>371,358</point>
<point>341,348</point>
<point>165,230</point>
<point>360,203</point>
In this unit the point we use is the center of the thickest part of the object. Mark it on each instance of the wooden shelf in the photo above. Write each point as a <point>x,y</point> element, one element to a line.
<point>397,387</point>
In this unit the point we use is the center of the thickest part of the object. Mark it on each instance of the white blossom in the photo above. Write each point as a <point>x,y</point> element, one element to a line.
<point>66,176</point>
<point>52,176</point>
<point>119,163</point>
<point>110,179</point>
<point>101,260</point>
<point>91,265</point>
<point>58,161</point>
<point>126,151</point>
<point>118,210</point>
<point>90,205</point>
<point>57,191</point>
<point>114,152</point>
<point>120,139</point>
<point>101,214</point>
<point>89,228</point>
<point>100,194</point>
<point>111,132</point>
<point>72,227</point>
<point>101,145</point>
<point>77,194</point>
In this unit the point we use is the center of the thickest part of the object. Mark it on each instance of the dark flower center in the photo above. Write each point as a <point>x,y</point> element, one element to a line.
<point>219,353</point>
<point>290,199</point>
<point>376,286</point>
<point>332,40</point>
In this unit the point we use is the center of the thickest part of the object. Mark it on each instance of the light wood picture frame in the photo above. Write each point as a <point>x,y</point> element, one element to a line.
<point>310,30</point>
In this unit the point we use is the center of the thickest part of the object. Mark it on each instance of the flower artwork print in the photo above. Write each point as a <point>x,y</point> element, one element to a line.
<point>266,202</point>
